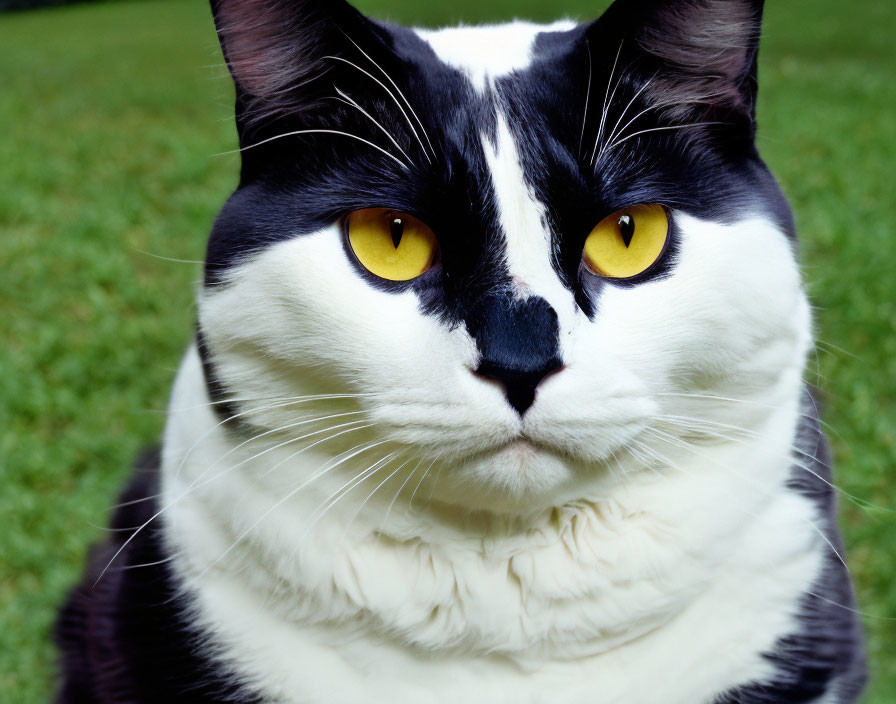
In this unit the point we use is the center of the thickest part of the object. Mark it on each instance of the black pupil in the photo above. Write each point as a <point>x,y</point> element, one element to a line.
<point>627,229</point>
<point>396,228</point>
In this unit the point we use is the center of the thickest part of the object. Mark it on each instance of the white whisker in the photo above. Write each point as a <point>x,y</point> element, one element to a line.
<point>661,129</point>
<point>676,442</point>
<point>710,397</point>
<point>370,495</point>
<point>255,437</point>
<point>417,488</point>
<point>834,348</point>
<point>657,106</point>
<point>323,131</point>
<point>345,98</point>
<point>292,400</point>
<point>193,487</point>
<point>686,422</point>
<point>398,493</point>
<point>167,259</point>
<point>391,94</point>
<point>351,428</point>
<point>273,431</point>
<point>587,96</point>
<point>125,568</point>
<point>861,503</point>
<point>279,503</point>
<point>607,101</point>
<point>682,421</point>
<point>394,85</point>
<point>631,102</point>
<point>345,489</point>
<point>863,614</point>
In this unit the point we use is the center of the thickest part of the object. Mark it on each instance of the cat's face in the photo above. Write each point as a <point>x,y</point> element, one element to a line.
<point>541,256</point>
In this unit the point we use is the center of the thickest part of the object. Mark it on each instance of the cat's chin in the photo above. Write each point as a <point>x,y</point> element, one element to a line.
<point>518,476</point>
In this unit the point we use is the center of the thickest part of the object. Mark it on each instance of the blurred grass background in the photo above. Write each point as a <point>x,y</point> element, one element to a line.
<point>110,115</point>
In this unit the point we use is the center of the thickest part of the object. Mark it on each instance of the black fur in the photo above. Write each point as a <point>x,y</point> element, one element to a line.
<point>127,637</point>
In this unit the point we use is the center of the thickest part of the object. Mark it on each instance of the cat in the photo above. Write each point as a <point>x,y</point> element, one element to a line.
<point>497,388</point>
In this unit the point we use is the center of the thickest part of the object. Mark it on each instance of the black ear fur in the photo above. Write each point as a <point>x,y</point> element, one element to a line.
<point>705,50</point>
<point>275,50</point>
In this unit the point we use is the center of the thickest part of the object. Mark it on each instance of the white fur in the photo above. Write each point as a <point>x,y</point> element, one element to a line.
<point>524,223</point>
<point>596,550</point>
<point>484,53</point>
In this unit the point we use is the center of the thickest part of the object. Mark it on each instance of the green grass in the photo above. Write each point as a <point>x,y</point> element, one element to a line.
<point>109,115</point>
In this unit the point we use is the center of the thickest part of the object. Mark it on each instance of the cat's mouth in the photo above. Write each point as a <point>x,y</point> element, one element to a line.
<point>524,452</point>
<point>523,446</point>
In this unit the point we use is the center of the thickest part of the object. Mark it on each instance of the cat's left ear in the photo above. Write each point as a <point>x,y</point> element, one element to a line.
<point>276,50</point>
<point>704,51</point>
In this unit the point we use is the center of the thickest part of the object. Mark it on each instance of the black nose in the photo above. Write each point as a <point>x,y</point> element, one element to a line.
<point>518,343</point>
<point>519,384</point>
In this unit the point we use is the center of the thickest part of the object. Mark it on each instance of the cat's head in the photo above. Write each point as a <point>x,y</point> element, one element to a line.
<point>527,255</point>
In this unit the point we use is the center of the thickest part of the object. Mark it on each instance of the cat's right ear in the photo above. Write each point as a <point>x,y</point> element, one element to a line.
<point>700,52</point>
<point>275,50</point>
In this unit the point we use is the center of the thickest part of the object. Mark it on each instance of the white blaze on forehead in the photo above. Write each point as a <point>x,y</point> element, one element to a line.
<point>488,52</point>
<point>523,221</point>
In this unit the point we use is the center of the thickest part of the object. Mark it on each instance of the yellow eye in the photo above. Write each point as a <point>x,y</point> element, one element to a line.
<point>628,242</point>
<point>390,244</point>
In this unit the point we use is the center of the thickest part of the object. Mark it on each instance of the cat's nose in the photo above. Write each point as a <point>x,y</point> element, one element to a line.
<point>519,384</point>
<point>518,343</point>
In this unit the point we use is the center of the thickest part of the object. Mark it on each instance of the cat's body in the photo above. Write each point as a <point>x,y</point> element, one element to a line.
<point>507,479</point>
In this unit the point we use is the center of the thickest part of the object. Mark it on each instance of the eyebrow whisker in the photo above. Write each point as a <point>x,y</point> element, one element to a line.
<point>613,133</point>
<point>395,85</point>
<point>322,131</point>
<point>587,96</point>
<point>661,129</point>
<point>347,99</point>
<point>607,100</point>
<point>391,94</point>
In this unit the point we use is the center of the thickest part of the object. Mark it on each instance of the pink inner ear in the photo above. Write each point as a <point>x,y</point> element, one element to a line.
<point>263,47</point>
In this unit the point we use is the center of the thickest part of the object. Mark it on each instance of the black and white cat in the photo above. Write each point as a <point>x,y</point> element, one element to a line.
<point>497,393</point>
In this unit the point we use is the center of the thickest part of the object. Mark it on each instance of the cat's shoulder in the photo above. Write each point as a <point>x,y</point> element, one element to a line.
<point>125,632</point>
<point>823,660</point>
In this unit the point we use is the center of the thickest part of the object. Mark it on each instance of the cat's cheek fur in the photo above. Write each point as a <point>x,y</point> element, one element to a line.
<point>273,323</point>
<point>741,318</point>
<point>742,331</point>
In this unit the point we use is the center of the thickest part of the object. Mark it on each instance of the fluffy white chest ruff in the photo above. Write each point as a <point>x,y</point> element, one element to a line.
<point>675,585</point>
